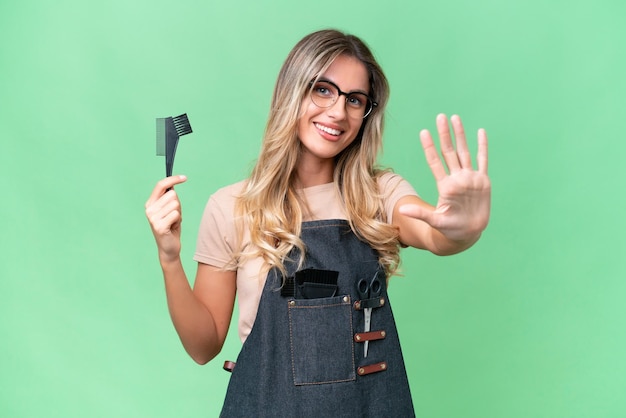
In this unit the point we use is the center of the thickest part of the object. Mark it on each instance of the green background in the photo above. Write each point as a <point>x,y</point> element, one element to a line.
<point>528,323</point>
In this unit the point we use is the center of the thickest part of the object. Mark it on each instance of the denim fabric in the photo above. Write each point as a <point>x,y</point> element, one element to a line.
<point>321,329</point>
<point>300,358</point>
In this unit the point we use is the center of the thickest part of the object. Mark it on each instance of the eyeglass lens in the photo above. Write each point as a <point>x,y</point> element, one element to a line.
<point>325,94</point>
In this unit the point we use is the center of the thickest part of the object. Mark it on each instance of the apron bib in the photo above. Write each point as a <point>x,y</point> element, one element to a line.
<point>305,357</point>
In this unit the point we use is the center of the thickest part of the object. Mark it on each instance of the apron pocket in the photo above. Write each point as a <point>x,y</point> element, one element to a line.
<point>322,348</point>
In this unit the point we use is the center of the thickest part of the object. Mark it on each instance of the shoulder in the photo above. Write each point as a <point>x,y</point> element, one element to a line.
<point>226,197</point>
<point>386,177</point>
<point>232,191</point>
<point>220,207</point>
<point>217,235</point>
<point>390,183</point>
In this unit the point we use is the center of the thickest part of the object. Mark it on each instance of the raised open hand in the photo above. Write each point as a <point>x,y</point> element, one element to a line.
<point>463,207</point>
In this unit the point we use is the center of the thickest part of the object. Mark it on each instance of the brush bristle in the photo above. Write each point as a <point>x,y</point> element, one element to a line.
<point>160,136</point>
<point>182,125</point>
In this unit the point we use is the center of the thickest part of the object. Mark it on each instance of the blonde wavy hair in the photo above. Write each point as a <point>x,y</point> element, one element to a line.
<point>269,204</point>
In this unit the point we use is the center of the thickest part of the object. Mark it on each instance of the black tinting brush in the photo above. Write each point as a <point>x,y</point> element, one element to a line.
<point>168,132</point>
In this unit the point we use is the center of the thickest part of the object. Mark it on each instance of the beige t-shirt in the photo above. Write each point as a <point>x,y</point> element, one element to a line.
<point>217,237</point>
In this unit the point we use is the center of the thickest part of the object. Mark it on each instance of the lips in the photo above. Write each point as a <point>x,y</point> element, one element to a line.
<point>328,129</point>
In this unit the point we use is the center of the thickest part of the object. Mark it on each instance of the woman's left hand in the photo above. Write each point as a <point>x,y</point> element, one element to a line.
<point>463,207</point>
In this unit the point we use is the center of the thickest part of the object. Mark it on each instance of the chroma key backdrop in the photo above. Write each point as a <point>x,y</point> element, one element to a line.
<point>528,323</point>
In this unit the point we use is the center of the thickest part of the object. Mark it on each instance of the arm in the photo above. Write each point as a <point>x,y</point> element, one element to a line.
<point>463,207</point>
<point>201,316</point>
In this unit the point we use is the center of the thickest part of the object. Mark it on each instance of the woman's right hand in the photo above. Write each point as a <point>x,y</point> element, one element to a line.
<point>165,216</point>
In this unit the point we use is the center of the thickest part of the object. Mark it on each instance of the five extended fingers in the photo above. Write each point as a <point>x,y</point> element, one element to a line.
<point>456,158</point>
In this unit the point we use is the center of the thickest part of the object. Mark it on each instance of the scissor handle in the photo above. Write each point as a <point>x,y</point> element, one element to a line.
<point>363,289</point>
<point>375,287</point>
<point>369,290</point>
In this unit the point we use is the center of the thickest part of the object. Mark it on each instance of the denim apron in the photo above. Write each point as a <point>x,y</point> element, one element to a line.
<point>305,357</point>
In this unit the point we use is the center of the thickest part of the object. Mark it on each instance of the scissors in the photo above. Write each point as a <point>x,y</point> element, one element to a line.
<point>369,290</point>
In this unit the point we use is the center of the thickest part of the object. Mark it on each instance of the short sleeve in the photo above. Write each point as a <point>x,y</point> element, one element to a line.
<point>393,187</point>
<point>217,235</point>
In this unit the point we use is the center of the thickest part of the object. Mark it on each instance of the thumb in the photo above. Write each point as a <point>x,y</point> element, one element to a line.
<point>417,212</point>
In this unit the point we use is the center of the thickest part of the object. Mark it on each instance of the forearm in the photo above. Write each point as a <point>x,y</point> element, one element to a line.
<point>441,245</point>
<point>192,320</point>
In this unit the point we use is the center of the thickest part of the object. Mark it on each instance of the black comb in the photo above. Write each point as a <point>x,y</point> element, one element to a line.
<point>311,284</point>
<point>168,131</point>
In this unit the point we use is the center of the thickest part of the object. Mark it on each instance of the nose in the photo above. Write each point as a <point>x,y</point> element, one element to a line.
<point>338,109</point>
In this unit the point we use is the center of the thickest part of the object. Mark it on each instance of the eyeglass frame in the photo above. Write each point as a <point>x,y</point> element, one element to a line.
<point>342,93</point>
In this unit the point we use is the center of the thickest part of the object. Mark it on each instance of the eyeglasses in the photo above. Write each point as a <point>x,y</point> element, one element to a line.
<point>325,93</point>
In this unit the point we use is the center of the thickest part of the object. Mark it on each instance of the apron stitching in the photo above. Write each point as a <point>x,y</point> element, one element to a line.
<point>291,306</point>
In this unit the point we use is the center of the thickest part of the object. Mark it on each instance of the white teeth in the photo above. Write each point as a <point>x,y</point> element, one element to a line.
<point>327,129</point>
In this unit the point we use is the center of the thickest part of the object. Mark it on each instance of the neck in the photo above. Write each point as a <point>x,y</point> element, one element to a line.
<point>313,172</point>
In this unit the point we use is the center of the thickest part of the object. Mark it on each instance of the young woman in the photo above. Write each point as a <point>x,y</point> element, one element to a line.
<point>309,240</point>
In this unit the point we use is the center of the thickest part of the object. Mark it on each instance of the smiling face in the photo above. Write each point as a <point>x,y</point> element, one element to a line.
<point>325,132</point>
